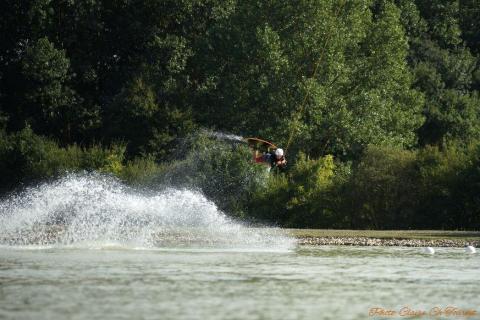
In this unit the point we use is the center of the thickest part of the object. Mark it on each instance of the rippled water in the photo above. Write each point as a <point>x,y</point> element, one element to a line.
<point>214,283</point>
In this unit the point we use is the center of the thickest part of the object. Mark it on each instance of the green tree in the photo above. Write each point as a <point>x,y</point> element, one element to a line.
<point>46,100</point>
<point>382,106</point>
<point>469,19</point>
<point>442,19</point>
<point>328,73</point>
<point>137,117</point>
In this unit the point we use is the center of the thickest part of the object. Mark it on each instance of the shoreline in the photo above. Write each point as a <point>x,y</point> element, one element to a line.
<point>374,242</point>
<point>405,238</point>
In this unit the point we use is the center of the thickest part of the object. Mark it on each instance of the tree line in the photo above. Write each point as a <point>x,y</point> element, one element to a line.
<point>376,101</point>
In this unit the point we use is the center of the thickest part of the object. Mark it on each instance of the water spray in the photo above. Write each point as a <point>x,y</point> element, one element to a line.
<point>94,209</point>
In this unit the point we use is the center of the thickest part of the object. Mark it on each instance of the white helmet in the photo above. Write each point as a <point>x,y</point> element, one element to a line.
<point>279,152</point>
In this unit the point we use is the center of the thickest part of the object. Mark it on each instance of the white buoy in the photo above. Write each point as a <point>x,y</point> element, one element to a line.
<point>470,249</point>
<point>429,250</point>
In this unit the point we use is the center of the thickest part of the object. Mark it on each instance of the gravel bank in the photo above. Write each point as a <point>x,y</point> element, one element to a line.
<point>363,241</point>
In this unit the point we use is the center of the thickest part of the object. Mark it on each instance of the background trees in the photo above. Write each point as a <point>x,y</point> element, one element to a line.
<point>371,83</point>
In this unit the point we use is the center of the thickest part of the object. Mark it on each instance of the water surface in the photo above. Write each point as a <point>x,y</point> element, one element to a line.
<point>116,282</point>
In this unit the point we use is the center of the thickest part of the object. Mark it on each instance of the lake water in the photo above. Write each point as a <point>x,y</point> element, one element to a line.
<point>115,282</point>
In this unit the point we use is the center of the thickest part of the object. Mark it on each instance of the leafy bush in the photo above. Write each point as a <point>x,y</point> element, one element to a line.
<point>382,192</point>
<point>221,169</point>
<point>298,198</point>
<point>388,188</point>
<point>431,188</point>
<point>141,171</point>
<point>449,185</point>
<point>26,157</point>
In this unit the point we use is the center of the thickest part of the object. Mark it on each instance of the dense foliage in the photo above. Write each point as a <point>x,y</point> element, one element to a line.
<point>377,102</point>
